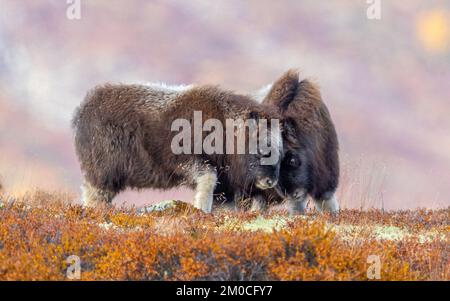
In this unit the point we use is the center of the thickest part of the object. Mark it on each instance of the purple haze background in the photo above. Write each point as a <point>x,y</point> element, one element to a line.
<point>386,82</point>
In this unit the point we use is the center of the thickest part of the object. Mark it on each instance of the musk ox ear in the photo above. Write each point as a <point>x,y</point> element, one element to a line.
<point>307,107</point>
<point>307,90</point>
<point>283,90</point>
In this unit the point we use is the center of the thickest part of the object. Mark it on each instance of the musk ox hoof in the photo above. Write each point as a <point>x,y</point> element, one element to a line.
<point>95,197</point>
<point>331,205</point>
<point>297,205</point>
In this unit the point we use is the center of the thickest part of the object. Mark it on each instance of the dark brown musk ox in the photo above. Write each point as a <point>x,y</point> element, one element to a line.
<point>311,163</point>
<point>124,139</point>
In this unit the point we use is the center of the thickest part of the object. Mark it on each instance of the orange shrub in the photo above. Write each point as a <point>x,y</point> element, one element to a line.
<point>37,237</point>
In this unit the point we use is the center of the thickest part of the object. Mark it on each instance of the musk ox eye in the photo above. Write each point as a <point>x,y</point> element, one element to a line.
<point>293,162</point>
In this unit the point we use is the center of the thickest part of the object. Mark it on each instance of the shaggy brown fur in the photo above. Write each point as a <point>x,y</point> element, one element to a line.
<point>123,140</point>
<point>311,163</point>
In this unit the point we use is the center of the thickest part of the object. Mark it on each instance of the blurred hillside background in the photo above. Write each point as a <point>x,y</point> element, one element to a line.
<point>386,82</point>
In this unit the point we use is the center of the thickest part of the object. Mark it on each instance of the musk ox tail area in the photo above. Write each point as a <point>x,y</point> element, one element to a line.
<point>107,148</point>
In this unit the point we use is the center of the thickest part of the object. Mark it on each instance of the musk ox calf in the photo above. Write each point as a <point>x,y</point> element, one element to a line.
<point>124,138</point>
<point>311,164</point>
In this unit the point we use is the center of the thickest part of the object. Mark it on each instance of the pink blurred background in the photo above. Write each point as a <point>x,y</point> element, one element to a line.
<point>386,82</point>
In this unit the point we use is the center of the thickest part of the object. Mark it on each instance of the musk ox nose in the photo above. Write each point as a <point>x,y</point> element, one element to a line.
<point>270,183</point>
<point>266,183</point>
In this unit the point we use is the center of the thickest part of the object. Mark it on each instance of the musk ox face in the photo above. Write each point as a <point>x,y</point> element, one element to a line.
<point>261,176</point>
<point>293,180</point>
<point>266,176</point>
<point>264,164</point>
<point>295,169</point>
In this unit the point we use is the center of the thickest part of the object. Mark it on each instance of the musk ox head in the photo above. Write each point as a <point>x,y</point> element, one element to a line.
<point>294,176</point>
<point>260,165</point>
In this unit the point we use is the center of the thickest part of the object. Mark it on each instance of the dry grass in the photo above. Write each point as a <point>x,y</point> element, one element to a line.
<point>38,232</point>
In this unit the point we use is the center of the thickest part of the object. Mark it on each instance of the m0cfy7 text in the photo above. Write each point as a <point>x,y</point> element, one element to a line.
<point>240,290</point>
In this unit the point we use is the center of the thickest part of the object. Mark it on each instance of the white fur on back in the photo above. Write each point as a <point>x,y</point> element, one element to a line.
<point>160,95</point>
<point>260,94</point>
<point>168,88</point>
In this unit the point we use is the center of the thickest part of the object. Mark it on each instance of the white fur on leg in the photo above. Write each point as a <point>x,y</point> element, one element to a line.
<point>297,206</point>
<point>206,182</point>
<point>330,205</point>
<point>85,195</point>
<point>257,204</point>
<point>92,196</point>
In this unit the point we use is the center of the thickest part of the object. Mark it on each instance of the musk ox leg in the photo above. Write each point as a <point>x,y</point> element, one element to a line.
<point>329,204</point>
<point>204,190</point>
<point>258,204</point>
<point>298,205</point>
<point>92,196</point>
<point>241,202</point>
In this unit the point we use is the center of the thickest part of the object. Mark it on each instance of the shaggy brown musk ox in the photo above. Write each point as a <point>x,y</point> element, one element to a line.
<point>311,163</point>
<point>123,139</point>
